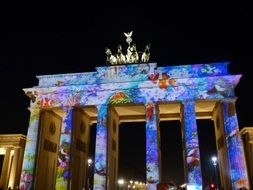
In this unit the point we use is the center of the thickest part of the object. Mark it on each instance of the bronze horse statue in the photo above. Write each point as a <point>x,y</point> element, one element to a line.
<point>146,54</point>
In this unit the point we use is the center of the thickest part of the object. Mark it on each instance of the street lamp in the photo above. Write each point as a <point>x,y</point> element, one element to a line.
<point>121,182</point>
<point>215,162</point>
<point>89,162</point>
<point>88,172</point>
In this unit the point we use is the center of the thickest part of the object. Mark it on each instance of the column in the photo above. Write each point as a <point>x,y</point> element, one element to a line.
<point>112,150</point>
<point>28,167</point>
<point>247,140</point>
<point>191,146</point>
<point>100,167</point>
<point>14,165</point>
<point>20,161</point>
<point>63,165</point>
<point>80,151</point>
<point>5,168</point>
<point>235,152</point>
<point>152,151</point>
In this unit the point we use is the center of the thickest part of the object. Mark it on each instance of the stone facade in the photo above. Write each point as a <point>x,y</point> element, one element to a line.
<point>12,147</point>
<point>247,139</point>
<point>134,92</point>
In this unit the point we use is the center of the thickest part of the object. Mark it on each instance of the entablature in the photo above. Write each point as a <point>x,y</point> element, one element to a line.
<point>134,72</point>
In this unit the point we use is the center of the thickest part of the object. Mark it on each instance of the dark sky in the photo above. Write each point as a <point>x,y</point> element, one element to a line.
<point>52,39</point>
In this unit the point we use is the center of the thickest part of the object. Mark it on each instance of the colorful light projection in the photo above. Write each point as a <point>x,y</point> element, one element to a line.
<point>133,72</point>
<point>238,170</point>
<point>63,164</point>
<point>191,144</point>
<point>27,173</point>
<point>100,170</point>
<point>135,83</point>
<point>152,163</point>
<point>138,82</point>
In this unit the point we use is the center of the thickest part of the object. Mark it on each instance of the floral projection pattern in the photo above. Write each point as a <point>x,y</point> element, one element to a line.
<point>133,72</point>
<point>101,149</point>
<point>235,152</point>
<point>191,144</point>
<point>152,170</point>
<point>27,177</point>
<point>63,164</point>
<point>123,84</point>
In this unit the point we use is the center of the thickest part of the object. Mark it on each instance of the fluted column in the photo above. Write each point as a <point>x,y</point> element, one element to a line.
<point>28,167</point>
<point>63,165</point>
<point>191,145</point>
<point>152,151</point>
<point>100,168</point>
<point>5,169</point>
<point>14,167</point>
<point>235,152</point>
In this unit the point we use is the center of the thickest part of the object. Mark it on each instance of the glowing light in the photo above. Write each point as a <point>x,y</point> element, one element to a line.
<point>89,162</point>
<point>2,151</point>
<point>214,160</point>
<point>121,181</point>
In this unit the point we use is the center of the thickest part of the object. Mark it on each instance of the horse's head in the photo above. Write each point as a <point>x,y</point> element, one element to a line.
<point>147,48</point>
<point>133,48</point>
<point>119,49</point>
<point>108,51</point>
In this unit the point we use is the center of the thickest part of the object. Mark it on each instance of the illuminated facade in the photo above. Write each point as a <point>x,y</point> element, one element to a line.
<point>12,148</point>
<point>63,107</point>
<point>247,138</point>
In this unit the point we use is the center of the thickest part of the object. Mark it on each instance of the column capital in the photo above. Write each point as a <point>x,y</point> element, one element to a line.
<point>67,108</point>
<point>33,109</point>
<point>102,105</point>
<point>150,102</point>
<point>228,100</point>
<point>187,101</point>
<point>229,107</point>
<point>8,149</point>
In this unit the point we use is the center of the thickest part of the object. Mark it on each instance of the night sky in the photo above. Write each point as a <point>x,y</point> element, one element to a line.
<point>72,39</point>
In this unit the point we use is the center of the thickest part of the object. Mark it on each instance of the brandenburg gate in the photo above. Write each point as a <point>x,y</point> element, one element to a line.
<point>64,106</point>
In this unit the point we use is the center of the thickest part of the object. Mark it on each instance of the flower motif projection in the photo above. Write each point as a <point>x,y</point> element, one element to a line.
<point>120,98</point>
<point>152,170</point>
<point>124,84</point>
<point>101,149</point>
<point>192,144</point>
<point>237,162</point>
<point>134,84</point>
<point>63,165</point>
<point>28,167</point>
